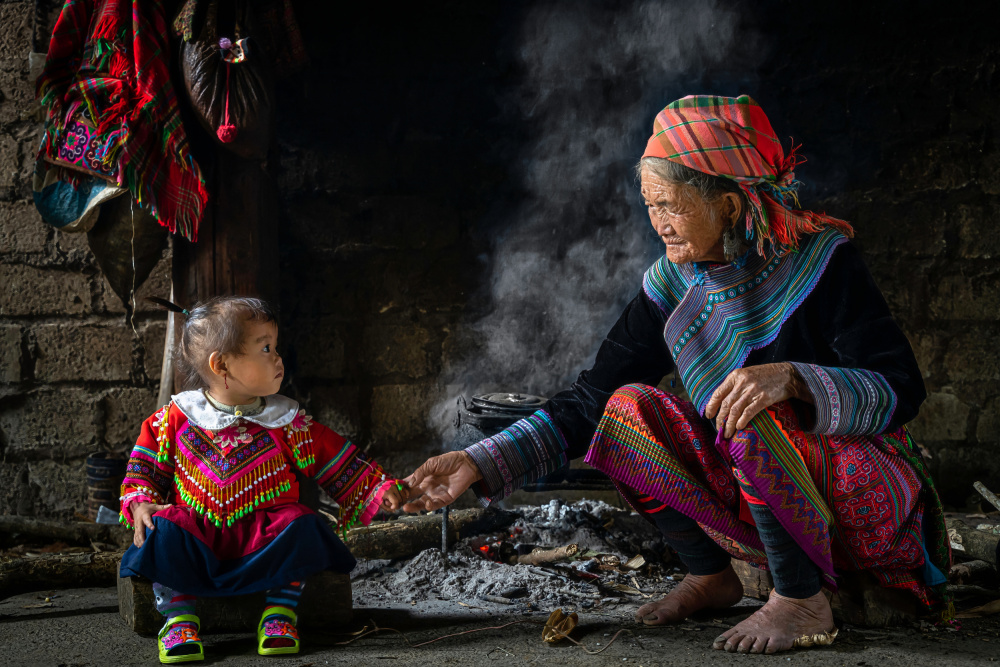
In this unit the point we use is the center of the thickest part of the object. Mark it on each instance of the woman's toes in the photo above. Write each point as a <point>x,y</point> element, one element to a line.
<point>720,641</point>
<point>760,646</point>
<point>746,644</point>
<point>733,643</point>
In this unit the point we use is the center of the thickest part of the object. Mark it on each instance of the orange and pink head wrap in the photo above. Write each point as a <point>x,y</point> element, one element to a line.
<point>732,137</point>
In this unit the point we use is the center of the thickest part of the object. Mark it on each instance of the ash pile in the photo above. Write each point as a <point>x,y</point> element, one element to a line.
<point>587,555</point>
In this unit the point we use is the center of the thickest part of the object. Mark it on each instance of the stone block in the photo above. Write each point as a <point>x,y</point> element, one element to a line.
<point>339,284</point>
<point>399,411</point>
<point>52,423</point>
<point>988,171</point>
<point>21,228</point>
<point>74,247</point>
<point>927,349</point>
<point>922,235</point>
<point>152,337</point>
<point>157,284</point>
<point>318,349</point>
<point>972,355</point>
<point>979,231</point>
<point>9,161</point>
<point>68,352</point>
<point>942,417</point>
<point>10,353</point>
<point>415,222</point>
<point>395,348</point>
<point>988,427</point>
<point>61,487</point>
<point>959,466</point>
<point>337,408</point>
<point>938,165</point>
<point>425,282</point>
<point>31,291</point>
<point>461,345</point>
<point>124,411</point>
<point>966,296</point>
<point>322,220</point>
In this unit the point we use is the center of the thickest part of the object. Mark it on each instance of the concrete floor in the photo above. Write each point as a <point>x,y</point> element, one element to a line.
<point>82,627</point>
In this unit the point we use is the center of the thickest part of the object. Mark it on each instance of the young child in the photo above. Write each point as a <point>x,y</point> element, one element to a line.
<point>210,489</point>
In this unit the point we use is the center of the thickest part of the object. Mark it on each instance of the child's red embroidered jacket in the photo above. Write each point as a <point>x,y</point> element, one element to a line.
<point>225,467</point>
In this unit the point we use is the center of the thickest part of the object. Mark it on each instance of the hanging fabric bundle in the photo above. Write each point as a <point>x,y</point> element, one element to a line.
<point>113,120</point>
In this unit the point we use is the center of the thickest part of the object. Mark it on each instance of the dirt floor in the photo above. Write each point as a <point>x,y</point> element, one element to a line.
<point>82,627</point>
<point>440,601</point>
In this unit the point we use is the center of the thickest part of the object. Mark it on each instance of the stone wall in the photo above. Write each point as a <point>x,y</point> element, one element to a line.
<point>74,377</point>
<point>409,170</point>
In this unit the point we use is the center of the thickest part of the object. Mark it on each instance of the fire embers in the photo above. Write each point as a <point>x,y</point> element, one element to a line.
<point>504,551</point>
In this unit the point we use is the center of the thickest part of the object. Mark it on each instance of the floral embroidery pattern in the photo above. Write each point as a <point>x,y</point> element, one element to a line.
<point>278,628</point>
<point>300,422</point>
<point>179,635</point>
<point>231,436</point>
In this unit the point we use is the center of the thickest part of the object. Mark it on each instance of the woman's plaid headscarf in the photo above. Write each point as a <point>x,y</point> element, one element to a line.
<point>731,137</point>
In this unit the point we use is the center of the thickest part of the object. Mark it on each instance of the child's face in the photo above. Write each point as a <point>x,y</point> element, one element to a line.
<point>259,370</point>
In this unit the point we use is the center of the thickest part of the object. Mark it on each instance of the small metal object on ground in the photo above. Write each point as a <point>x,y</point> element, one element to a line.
<point>444,529</point>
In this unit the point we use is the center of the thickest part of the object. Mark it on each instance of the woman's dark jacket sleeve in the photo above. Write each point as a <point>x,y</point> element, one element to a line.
<point>633,351</point>
<point>855,360</point>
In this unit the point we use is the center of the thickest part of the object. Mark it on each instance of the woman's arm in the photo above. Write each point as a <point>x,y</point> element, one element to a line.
<point>632,352</point>
<point>875,384</point>
<point>841,352</point>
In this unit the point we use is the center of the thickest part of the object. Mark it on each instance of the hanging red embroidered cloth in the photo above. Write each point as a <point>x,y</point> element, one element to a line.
<point>107,71</point>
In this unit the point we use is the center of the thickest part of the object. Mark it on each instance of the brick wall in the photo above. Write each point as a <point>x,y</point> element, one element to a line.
<point>407,158</point>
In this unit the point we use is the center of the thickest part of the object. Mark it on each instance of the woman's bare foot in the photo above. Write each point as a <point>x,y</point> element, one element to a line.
<point>694,593</point>
<point>777,624</point>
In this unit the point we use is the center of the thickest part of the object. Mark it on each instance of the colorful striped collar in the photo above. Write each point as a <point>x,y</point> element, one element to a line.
<point>718,314</point>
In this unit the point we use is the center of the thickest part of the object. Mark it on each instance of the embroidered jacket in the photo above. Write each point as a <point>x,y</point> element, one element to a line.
<point>818,309</point>
<point>225,467</point>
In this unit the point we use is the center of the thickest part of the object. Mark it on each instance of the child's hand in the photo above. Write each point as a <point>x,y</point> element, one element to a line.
<point>395,496</point>
<point>142,518</point>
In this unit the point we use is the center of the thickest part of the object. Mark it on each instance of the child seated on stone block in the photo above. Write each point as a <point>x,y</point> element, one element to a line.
<point>210,489</point>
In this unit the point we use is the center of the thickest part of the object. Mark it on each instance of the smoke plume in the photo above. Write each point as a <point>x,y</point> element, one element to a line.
<point>571,253</point>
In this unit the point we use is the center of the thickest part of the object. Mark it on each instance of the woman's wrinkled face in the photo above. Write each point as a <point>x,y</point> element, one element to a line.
<point>683,220</point>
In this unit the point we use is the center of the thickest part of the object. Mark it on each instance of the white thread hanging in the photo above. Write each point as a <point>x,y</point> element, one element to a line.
<point>131,296</point>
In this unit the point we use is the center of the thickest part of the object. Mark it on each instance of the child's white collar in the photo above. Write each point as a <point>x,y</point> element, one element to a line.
<point>278,411</point>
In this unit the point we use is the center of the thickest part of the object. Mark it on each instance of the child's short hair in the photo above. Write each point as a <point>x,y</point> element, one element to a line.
<point>217,325</point>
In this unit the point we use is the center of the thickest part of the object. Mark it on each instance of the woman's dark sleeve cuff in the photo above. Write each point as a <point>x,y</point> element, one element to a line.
<point>848,401</point>
<point>530,448</point>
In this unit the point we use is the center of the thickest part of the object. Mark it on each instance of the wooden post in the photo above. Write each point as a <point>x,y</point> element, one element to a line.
<point>237,248</point>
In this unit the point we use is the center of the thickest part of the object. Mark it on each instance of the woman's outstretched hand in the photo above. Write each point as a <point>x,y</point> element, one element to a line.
<point>440,481</point>
<point>748,391</point>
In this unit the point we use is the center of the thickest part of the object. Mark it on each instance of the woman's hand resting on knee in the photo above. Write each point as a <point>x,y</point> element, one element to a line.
<point>441,480</point>
<point>748,391</point>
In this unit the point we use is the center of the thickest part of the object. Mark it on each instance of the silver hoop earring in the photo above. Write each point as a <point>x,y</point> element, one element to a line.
<point>730,244</point>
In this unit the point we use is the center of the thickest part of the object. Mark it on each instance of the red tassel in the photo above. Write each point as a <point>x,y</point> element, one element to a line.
<point>226,131</point>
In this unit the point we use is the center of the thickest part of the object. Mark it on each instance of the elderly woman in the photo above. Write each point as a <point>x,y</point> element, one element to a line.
<point>792,454</point>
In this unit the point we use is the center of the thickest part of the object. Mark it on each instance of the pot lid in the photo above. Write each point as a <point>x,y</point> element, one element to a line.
<point>502,401</point>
